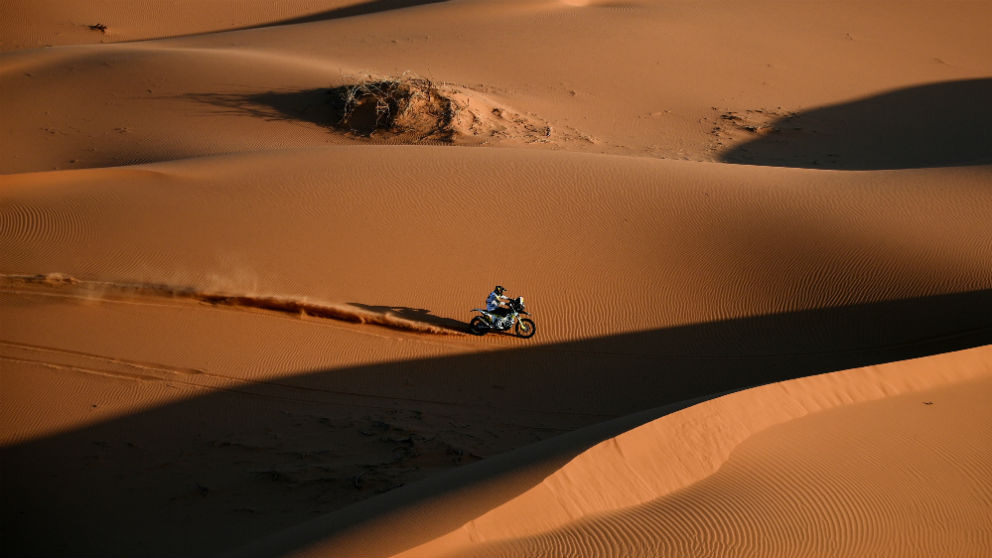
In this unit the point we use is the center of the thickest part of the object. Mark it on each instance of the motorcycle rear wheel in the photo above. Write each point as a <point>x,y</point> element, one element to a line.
<point>478,326</point>
<point>526,328</point>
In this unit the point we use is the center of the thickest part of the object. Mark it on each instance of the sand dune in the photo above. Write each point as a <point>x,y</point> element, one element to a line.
<point>685,239</point>
<point>749,481</point>
<point>240,243</point>
<point>56,22</point>
<point>661,92</point>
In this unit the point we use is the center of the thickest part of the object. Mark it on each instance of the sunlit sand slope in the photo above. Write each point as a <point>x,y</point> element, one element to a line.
<point>64,22</point>
<point>686,80</point>
<point>889,459</point>
<point>635,243</point>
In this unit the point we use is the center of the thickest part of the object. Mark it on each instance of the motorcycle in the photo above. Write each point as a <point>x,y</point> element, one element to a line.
<point>489,321</point>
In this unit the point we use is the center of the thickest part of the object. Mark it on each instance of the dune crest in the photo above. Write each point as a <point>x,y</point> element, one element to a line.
<point>655,461</point>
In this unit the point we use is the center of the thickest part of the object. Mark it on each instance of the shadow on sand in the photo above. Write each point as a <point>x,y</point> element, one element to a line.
<point>322,106</point>
<point>391,106</point>
<point>936,125</point>
<point>414,314</point>
<point>212,473</point>
<point>359,9</point>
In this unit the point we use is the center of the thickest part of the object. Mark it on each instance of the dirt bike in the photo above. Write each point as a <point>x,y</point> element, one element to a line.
<point>491,321</point>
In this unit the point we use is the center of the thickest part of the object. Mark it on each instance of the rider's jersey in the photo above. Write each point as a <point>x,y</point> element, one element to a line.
<point>493,301</point>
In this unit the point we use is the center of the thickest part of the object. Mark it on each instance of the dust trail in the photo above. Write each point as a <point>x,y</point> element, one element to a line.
<point>287,305</point>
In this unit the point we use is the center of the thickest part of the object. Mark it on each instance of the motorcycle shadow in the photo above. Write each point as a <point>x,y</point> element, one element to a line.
<point>508,332</point>
<point>415,314</point>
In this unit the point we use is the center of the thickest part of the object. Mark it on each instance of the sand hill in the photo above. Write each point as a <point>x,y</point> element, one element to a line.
<point>240,243</point>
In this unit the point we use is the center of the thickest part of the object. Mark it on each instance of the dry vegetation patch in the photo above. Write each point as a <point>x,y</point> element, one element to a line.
<point>408,105</point>
<point>404,110</point>
<point>412,109</point>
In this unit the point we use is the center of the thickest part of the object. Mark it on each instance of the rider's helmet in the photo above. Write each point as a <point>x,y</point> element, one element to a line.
<point>499,290</point>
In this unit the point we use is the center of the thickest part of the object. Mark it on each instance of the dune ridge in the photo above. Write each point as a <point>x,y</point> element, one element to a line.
<point>31,24</point>
<point>597,491</point>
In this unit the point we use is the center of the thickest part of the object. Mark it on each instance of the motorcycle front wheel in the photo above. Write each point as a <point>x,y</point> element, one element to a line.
<point>478,326</point>
<point>526,328</point>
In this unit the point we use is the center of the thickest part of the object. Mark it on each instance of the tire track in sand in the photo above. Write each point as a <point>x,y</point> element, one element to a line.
<point>288,305</point>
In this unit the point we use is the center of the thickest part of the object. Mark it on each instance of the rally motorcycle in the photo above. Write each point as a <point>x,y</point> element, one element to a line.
<point>489,321</point>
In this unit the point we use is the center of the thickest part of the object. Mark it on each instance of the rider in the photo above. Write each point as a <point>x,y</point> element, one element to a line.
<point>495,302</point>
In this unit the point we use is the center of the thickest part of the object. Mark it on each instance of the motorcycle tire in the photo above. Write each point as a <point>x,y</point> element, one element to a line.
<point>526,328</point>
<point>478,326</point>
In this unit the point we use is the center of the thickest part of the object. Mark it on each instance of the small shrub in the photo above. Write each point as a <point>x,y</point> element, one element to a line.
<point>405,106</point>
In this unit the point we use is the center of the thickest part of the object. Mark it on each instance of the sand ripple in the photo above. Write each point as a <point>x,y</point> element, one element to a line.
<point>897,463</point>
<point>21,224</point>
<point>904,488</point>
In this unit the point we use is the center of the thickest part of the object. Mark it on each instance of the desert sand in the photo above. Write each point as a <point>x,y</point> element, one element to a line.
<point>240,244</point>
